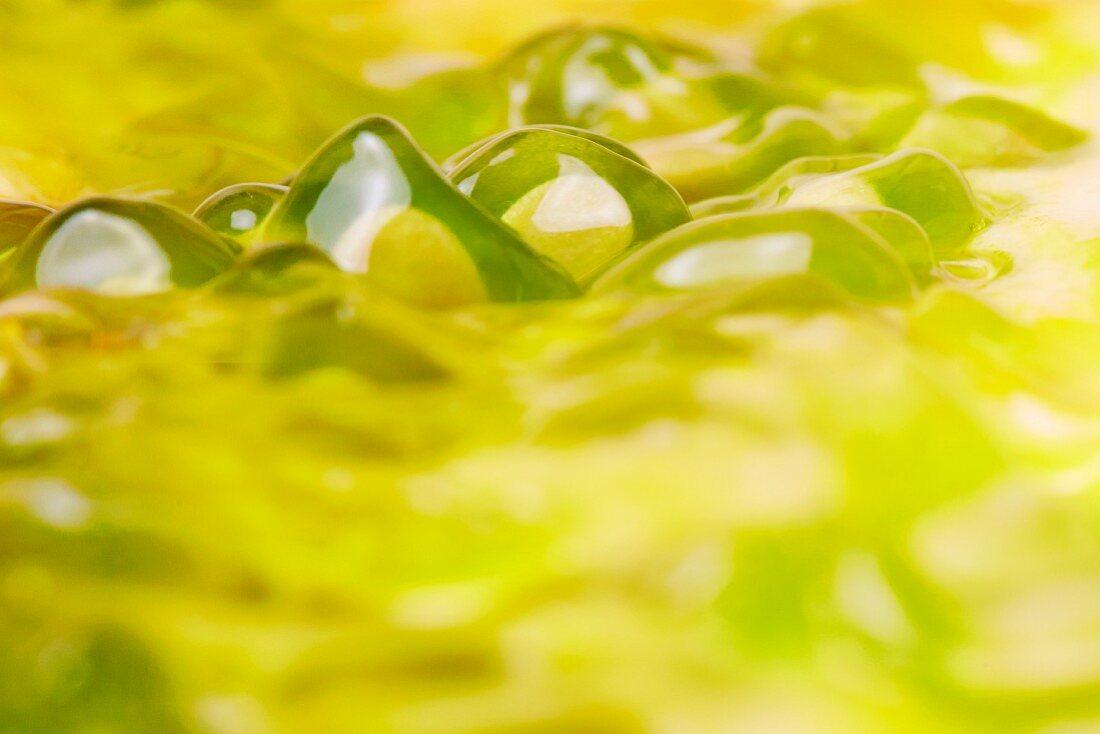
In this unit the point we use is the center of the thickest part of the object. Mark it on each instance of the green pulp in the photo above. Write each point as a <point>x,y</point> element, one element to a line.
<point>707,400</point>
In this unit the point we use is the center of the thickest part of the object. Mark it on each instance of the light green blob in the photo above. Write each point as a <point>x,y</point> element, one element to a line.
<point>877,118</point>
<point>731,157</point>
<point>240,212</point>
<point>919,183</point>
<point>570,198</point>
<point>742,248</point>
<point>626,85</point>
<point>777,188</point>
<point>989,131</point>
<point>118,247</point>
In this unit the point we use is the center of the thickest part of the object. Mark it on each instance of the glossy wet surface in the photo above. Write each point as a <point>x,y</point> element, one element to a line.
<point>509,444</point>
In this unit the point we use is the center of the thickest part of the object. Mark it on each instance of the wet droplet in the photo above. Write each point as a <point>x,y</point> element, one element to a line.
<point>570,198</point>
<point>743,248</point>
<point>919,183</point>
<point>622,84</point>
<point>239,212</point>
<point>118,247</point>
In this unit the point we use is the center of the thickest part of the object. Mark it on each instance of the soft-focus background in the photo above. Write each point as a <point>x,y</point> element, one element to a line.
<point>155,96</point>
<point>708,520</point>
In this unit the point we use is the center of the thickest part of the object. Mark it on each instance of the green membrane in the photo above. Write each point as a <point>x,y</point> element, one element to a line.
<point>570,198</point>
<point>739,248</point>
<point>118,247</point>
<point>378,206</point>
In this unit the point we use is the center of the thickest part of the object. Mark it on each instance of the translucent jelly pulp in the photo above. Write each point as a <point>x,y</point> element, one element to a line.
<point>730,368</point>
